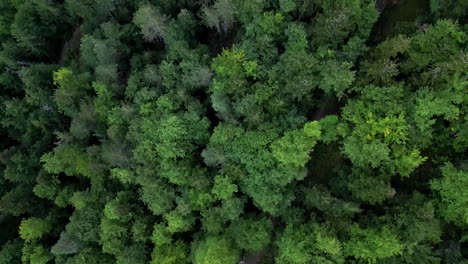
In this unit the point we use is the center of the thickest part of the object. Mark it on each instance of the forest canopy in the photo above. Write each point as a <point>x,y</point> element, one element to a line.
<point>221,131</point>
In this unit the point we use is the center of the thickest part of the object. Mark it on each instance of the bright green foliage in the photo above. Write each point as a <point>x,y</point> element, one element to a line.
<point>170,136</point>
<point>329,127</point>
<point>113,236</point>
<point>250,149</point>
<point>178,221</point>
<point>309,244</point>
<point>123,175</point>
<point>175,253</point>
<point>160,235</point>
<point>376,137</point>
<point>223,188</point>
<point>120,207</point>
<point>70,159</point>
<point>216,250</point>
<point>452,189</point>
<point>71,90</point>
<point>211,131</point>
<point>231,66</point>
<point>34,228</point>
<point>37,254</point>
<point>104,101</point>
<point>293,245</point>
<point>294,147</point>
<point>371,244</point>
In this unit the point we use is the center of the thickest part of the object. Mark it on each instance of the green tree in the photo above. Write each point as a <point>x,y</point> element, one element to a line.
<point>36,253</point>
<point>251,234</point>
<point>216,250</point>
<point>66,245</point>
<point>308,243</point>
<point>152,23</point>
<point>372,244</point>
<point>174,253</point>
<point>34,228</point>
<point>10,252</point>
<point>451,190</point>
<point>71,90</point>
<point>220,16</point>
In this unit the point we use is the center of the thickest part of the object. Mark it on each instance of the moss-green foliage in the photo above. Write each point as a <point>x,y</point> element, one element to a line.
<point>213,131</point>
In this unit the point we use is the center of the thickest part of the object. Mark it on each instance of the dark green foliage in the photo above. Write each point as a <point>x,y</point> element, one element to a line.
<point>11,252</point>
<point>215,131</point>
<point>251,234</point>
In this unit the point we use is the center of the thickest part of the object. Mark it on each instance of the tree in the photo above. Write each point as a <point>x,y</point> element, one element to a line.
<point>371,244</point>
<point>174,253</point>
<point>120,208</point>
<point>67,244</point>
<point>70,159</point>
<point>31,32</point>
<point>308,243</point>
<point>216,250</point>
<point>220,16</point>
<point>7,18</point>
<point>158,196</point>
<point>18,200</point>
<point>152,23</point>
<point>451,190</point>
<point>11,252</point>
<point>223,188</point>
<point>34,228</point>
<point>71,90</point>
<point>251,234</point>
<point>294,147</point>
<point>161,235</point>
<point>136,253</point>
<point>84,224</point>
<point>113,236</point>
<point>91,255</point>
<point>336,77</point>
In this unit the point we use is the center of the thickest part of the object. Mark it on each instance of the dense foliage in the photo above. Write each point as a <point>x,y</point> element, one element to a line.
<point>211,131</point>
